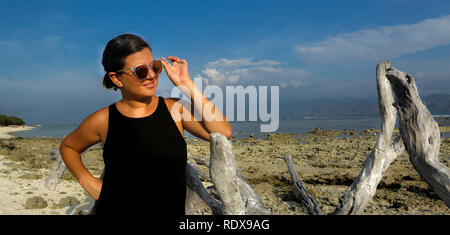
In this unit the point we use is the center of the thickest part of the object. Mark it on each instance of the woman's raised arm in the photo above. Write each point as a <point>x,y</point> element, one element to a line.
<point>212,119</point>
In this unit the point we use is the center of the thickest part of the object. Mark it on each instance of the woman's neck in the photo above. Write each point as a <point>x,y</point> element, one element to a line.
<point>136,103</point>
<point>137,108</point>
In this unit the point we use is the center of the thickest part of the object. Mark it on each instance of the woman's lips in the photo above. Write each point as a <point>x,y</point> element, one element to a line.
<point>149,85</point>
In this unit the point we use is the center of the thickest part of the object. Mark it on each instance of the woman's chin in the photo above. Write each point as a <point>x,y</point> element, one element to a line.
<point>149,92</point>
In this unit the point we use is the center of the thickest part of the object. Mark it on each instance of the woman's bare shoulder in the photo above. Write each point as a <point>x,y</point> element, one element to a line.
<point>91,130</point>
<point>99,116</point>
<point>97,121</point>
<point>171,101</point>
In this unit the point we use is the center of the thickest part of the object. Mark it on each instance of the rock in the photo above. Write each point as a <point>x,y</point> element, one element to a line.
<point>35,203</point>
<point>53,154</point>
<point>252,169</point>
<point>82,212</point>
<point>68,201</point>
<point>316,131</point>
<point>9,146</point>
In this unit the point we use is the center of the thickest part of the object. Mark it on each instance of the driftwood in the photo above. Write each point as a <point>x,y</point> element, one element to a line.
<point>362,190</point>
<point>419,136</point>
<point>253,203</point>
<point>59,167</point>
<point>201,161</point>
<point>57,170</point>
<point>198,201</point>
<point>420,133</point>
<point>223,174</point>
<point>303,193</point>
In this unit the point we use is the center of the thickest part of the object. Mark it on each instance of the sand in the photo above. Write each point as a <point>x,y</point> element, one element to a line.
<point>22,190</point>
<point>17,194</point>
<point>6,130</point>
<point>326,160</point>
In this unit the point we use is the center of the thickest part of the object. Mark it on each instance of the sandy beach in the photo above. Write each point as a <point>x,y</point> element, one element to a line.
<point>5,131</point>
<point>22,190</point>
<point>326,160</point>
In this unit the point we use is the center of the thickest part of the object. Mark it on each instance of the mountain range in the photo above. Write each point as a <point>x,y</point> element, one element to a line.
<point>438,104</point>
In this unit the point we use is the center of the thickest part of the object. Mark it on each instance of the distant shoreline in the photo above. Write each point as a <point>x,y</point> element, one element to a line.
<point>5,131</point>
<point>241,130</point>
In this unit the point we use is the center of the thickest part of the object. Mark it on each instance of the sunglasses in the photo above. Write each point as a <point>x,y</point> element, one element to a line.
<point>141,71</point>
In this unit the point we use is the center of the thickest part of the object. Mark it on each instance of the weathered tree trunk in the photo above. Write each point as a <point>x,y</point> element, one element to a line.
<point>57,170</point>
<point>253,203</point>
<point>198,201</point>
<point>361,191</point>
<point>59,167</point>
<point>302,193</point>
<point>223,174</point>
<point>237,195</point>
<point>201,161</point>
<point>420,133</point>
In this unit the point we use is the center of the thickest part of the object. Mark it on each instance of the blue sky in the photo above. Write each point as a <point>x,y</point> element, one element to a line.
<point>50,60</point>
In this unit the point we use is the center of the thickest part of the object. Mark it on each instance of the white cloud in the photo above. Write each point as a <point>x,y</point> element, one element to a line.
<point>215,76</point>
<point>380,43</point>
<point>248,72</point>
<point>224,63</point>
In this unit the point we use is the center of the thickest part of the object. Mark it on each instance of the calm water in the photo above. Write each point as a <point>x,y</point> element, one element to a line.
<point>241,129</point>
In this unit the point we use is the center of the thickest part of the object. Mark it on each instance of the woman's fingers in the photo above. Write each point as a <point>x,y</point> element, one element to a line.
<point>171,58</point>
<point>166,64</point>
<point>175,59</point>
<point>165,61</point>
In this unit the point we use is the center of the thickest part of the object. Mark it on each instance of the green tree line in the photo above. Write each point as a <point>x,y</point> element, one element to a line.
<point>6,120</point>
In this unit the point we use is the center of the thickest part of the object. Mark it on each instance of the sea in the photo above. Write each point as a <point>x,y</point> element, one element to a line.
<point>245,129</point>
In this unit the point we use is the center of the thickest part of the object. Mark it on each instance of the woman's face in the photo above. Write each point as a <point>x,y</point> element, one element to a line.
<point>130,85</point>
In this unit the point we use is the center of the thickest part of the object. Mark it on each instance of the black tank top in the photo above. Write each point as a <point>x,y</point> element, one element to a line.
<point>145,165</point>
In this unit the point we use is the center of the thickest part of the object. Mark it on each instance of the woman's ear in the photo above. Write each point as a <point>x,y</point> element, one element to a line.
<point>115,79</point>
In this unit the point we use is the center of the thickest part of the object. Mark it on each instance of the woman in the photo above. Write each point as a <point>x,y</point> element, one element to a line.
<point>142,134</point>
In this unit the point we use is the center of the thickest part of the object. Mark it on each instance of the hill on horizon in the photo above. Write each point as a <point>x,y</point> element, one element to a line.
<point>438,104</point>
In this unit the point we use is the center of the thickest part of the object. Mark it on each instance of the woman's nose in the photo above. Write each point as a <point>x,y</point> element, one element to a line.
<point>151,74</point>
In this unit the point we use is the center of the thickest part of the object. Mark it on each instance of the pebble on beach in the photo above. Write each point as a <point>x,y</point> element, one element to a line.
<point>35,203</point>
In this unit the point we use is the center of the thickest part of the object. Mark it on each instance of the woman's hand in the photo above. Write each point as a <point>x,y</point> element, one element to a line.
<point>177,71</point>
<point>93,186</point>
<point>213,119</point>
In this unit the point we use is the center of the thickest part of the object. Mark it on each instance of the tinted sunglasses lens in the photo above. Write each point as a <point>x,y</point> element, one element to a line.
<point>157,66</point>
<point>141,72</point>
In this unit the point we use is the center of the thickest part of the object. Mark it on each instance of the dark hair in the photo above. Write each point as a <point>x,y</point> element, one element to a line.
<point>115,53</point>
